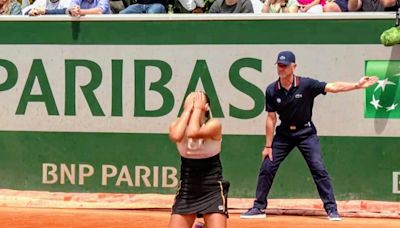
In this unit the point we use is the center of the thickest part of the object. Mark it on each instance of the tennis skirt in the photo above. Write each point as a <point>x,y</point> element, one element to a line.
<point>201,189</point>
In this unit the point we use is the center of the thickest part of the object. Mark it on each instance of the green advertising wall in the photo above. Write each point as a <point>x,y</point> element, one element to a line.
<point>360,167</point>
<point>60,151</point>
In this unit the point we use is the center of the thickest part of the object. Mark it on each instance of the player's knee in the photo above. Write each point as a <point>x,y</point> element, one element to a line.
<point>331,7</point>
<point>267,171</point>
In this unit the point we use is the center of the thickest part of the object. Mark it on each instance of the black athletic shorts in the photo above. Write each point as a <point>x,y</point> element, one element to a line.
<point>201,189</point>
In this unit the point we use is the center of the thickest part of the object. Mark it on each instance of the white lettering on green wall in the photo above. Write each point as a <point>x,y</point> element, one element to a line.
<point>396,183</point>
<point>66,174</point>
<point>132,176</point>
<point>40,77</point>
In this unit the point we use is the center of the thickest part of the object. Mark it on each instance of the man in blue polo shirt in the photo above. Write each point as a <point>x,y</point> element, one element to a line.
<point>292,97</point>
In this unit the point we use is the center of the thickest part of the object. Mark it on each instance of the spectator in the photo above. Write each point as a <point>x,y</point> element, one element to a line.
<point>146,6</point>
<point>280,6</point>
<point>83,7</point>
<point>189,6</point>
<point>311,6</point>
<point>336,6</point>
<point>257,5</point>
<point>41,7</point>
<point>10,7</point>
<point>24,3</point>
<point>373,5</point>
<point>232,6</point>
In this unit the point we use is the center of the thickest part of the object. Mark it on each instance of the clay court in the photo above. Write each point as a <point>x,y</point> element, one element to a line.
<point>60,209</point>
<point>45,217</point>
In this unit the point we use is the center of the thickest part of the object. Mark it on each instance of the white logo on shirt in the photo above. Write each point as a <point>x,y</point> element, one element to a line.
<point>194,144</point>
<point>221,207</point>
<point>298,95</point>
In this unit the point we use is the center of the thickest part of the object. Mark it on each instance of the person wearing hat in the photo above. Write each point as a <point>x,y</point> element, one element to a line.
<point>292,97</point>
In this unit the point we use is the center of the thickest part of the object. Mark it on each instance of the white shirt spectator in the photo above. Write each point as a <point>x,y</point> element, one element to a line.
<point>257,5</point>
<point>190,5</point>
<point>47,4</point>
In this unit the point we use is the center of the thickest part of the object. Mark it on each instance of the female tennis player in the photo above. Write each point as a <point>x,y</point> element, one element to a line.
<point>202,192</point>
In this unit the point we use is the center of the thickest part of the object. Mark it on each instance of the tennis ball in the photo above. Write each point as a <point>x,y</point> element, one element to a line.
<point>391,36</point>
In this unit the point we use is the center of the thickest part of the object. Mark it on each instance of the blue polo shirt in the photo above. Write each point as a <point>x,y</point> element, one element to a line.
<point>294,107</point>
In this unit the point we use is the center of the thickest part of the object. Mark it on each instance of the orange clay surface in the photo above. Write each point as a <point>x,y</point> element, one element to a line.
<point>45,217</point>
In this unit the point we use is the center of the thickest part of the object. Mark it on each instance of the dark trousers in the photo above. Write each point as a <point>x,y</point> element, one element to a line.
<point>307,142</point>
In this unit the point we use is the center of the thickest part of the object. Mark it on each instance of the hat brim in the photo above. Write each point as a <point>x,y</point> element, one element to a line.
<point>287,63</point>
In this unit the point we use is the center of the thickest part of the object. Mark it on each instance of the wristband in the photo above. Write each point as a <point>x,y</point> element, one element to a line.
<point>268,146</point>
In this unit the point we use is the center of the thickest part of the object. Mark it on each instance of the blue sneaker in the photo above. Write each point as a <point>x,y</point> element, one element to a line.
<point>333,215</point>
<point>253,213</point>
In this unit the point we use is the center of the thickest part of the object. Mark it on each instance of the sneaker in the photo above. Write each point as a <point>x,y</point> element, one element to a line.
<point>253,213</point>
<point>333,215</point>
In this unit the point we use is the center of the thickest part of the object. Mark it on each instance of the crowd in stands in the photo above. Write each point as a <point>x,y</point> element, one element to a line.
<point>83,7</point>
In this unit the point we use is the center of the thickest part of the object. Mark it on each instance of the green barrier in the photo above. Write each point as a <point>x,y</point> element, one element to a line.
<point>86,103</point>
<point>360,167</point>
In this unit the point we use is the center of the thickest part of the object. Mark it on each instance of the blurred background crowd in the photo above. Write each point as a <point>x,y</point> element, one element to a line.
<point>83,7</point>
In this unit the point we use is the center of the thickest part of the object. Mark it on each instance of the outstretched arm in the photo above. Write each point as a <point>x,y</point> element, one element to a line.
<point>177,128</point>
<point>337,87</point>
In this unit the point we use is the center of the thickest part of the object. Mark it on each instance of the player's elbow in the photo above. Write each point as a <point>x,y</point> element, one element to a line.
<point>175,137</point>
